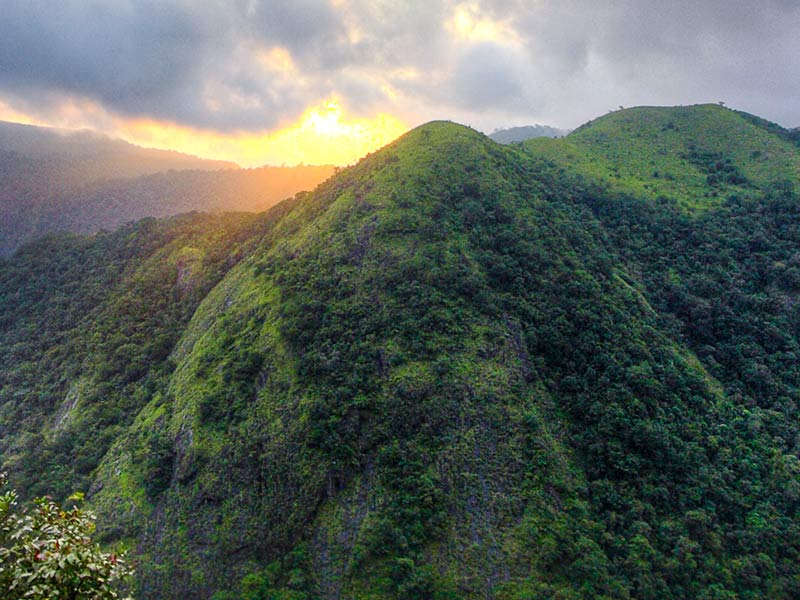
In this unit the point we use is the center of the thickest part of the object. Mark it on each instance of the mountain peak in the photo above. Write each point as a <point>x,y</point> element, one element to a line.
<point>640,115</point>
<point>441,131</point>
<point>694,155</point>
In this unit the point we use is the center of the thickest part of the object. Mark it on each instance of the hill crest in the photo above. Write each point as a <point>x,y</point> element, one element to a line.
<point>695,155</point>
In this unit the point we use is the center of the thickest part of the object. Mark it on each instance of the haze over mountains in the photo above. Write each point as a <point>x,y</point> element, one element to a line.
<point>458,369</point>
<point>527,132</point>
<point>86,156</point>
<point>80,182</point>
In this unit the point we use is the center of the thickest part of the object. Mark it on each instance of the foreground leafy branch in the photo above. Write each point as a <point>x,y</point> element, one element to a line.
<point>47,553</point>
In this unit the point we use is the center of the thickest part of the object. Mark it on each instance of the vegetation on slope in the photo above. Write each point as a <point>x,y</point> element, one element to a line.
<point>84,156</point>
<point>87,326</point>
<point>695,156</point>
<point>463,370</point>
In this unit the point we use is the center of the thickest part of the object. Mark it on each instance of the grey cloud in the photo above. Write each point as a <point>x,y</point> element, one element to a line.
<point>485,78</point>
<point>132,57</point>
<point>115,53</point>
<point>196,62</point>
<point>313,30</point>
<point>399,34</point>
<point>658,52</point>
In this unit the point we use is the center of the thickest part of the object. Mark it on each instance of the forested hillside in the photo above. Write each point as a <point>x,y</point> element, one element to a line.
<point>562,369</point>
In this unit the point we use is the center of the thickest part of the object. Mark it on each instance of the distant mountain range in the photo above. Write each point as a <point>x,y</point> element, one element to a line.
<point>520,134</point>
<point>83,156</point>
<point>80,182</point>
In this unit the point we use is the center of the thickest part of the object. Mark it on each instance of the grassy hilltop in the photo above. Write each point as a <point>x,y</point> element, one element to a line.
<point>696,155</point>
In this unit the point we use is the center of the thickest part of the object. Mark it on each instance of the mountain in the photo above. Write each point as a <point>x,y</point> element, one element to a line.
<point>696,156</point>
<point>520,134</point>
<point>32,209</point>
<point>85,156</point>
<point>456,369</point>
<point>80,182</point>
<point>793,135</point>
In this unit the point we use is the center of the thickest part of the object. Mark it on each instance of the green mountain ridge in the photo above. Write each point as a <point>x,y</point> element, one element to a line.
<point>455,370</point>
<point>694,155</point>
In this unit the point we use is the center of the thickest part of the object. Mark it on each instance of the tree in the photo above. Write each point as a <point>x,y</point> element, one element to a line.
<point>47,553</point>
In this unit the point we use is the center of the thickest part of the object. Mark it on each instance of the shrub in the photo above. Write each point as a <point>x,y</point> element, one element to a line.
<point>47,553</point>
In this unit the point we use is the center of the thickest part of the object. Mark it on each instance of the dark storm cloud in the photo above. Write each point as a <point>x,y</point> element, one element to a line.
<point>202,63</point>
<point>118,53</point>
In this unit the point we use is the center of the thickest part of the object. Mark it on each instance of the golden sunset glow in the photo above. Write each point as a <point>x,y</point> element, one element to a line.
<point>324,134</point>
<point>8,113</point>
<point>277,59</point>
<point>273,78</point>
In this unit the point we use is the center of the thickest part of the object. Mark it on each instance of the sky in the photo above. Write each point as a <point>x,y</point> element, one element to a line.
<point>327,81</point>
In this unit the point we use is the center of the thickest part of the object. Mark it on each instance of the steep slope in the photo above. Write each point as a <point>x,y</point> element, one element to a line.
<point>693,155</point>
<point>463,370</point>
<point>793,135</point>
<point>438,379</point>
<point>87,325</point>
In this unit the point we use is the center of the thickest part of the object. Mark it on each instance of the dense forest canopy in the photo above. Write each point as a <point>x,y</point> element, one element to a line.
<point>557,369</point>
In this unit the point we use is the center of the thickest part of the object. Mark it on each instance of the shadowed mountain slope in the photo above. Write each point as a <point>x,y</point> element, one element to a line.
<point>84,156</point>
<point>80,182</point>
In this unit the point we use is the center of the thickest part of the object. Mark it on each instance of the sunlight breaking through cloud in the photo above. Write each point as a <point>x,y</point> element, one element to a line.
<point>323,135</point>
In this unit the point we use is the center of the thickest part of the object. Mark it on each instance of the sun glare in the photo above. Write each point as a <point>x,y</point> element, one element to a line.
<point>327,120</point>
<point>322,135</point>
